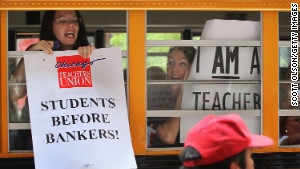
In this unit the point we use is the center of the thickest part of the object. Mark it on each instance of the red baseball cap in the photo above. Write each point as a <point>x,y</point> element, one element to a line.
<point>217,138</point>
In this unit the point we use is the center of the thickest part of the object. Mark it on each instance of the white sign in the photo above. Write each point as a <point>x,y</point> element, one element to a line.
<point>234,63</point>
<point>229,75</point>
<point>221,97</point>
<point>226,63</point>
<point>78,110</point>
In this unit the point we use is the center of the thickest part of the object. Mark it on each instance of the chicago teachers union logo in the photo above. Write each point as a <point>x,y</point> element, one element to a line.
<point>74,71</point>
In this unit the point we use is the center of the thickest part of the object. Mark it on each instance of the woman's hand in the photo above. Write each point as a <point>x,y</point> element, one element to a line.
<point>43,45</point>
<point>179,97</point>
<point>186,75</point>
<point>85,51</point>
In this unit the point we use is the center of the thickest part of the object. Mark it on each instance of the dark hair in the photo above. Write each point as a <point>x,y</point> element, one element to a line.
<point>156,73</point>
<point>46,32</point>
<point>282,123</point>
<point>188,51</point>
<point>190,153</point>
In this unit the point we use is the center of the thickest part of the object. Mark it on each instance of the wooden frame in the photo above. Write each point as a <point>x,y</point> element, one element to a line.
<point>136,22</point>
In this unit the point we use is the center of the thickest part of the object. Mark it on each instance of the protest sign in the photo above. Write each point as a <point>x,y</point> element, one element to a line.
<point>228,62</point>
<point>78,110</point>
<point>230,75</point>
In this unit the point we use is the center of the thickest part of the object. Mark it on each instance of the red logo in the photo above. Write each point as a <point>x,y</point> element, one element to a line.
<point>74,71</point>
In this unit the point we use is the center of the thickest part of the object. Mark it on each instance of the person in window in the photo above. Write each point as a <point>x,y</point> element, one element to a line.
<point>156,73</point>
<point>60,30</point>
<point>179,62</point>
<point>180,59</point>
<point>159,97</point>
<point>221,142</point>
<point>289,130</point>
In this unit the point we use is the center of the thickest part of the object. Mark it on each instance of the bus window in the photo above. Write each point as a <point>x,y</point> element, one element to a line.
<point>117,39</point>
<point>22,35</point>
<point>289,123</point>
<point>19,133</point>
<point>203,93</point>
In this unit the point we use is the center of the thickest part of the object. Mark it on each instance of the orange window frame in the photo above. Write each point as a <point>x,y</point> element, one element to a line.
<point>136,22</point>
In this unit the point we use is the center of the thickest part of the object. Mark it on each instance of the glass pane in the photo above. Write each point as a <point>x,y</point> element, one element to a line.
<point>284,62</point>
<point>20,140</point>
<point>23,34</point>
<point>285,79</point>
<point>116,40</point>
<point>18,103</point>
<point>289,113</point>
<point>200,80</point>
<point>164,36</point>
<point>289,130</point>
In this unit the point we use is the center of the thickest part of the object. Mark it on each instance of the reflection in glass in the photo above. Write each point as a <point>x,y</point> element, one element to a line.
<point>285,96</point>
<point>285,78</point>
<point>18,105</point>
<point>20,140</point>
<point>289,133</point>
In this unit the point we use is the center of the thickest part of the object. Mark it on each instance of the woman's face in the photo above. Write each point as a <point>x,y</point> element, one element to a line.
<point>177,69</point>
<point>177,66</point>
<point>65,28</point>
<point>292,125</point>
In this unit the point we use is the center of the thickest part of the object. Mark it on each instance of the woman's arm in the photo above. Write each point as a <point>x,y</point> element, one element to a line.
<point>291,140</point>
<point>168,131</point>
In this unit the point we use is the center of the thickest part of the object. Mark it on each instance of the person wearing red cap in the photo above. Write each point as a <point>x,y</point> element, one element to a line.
<point>221,142</point>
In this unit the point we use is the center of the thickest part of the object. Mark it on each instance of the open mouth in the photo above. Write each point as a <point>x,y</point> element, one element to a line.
<point>70,34</point>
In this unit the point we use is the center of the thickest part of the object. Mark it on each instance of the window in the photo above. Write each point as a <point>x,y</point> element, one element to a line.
<point>224,74</point>
<point>21,36</point>
<point>289,123</point>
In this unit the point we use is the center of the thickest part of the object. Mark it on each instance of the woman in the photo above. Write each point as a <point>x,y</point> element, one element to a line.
<point>289,130</point>
<point>60,30</point>
<point>63,30</point>
<point>180,60</point>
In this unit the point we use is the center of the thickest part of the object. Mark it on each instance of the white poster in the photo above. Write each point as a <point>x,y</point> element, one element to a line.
<point>78,110</point>
<point>229,75</point>
<point>228,62</point>
<point>222,97</point>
